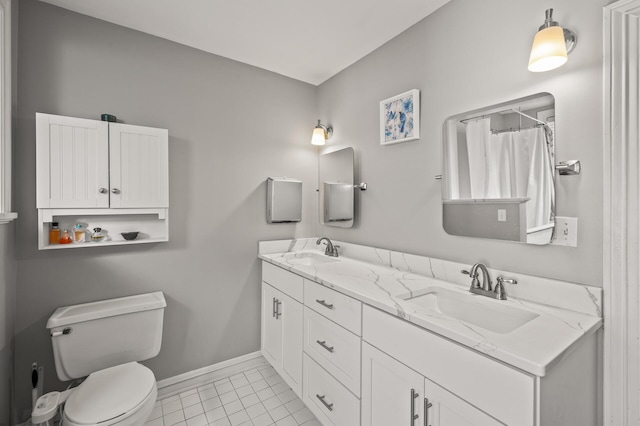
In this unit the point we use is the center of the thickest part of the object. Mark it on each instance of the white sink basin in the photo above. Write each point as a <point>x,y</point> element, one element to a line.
<point>476,310</point>
<point>309,259</point>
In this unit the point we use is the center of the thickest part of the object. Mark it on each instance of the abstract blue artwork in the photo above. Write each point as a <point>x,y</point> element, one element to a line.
<point>400,118</point>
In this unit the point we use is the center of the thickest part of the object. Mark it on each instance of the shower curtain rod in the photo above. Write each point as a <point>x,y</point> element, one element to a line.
<point>516,129</point>
<point>509,109</point>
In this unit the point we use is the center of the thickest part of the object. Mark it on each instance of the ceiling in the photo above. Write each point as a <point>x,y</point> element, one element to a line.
<point>306,40</point>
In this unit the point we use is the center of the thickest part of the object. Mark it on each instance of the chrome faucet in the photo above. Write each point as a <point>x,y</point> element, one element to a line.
<point>331,250</point>
<point>486,278</point>
<point>486,288</point>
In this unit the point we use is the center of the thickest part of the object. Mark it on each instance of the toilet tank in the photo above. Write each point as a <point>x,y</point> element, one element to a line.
<point>97,335</point>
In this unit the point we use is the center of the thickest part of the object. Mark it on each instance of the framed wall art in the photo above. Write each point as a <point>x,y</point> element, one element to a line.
<point>400,118</point>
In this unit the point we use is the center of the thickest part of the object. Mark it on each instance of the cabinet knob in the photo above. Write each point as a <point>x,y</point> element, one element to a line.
<point>115,191</point>
<point>103,190</point>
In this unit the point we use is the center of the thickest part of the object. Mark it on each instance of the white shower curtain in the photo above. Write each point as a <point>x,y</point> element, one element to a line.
<point>512,165</point>
<point>478,138</point>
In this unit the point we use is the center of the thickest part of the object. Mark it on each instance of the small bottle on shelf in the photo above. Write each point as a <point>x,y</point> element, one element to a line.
<point>78,234</point>
<point>97,235</point>
<point>54,233</point>
<point>65,238</point>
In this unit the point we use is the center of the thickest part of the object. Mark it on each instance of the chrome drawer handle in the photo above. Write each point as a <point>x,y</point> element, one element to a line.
<point>326,404</point>
<point>325,304</point>
<point>324,345</point>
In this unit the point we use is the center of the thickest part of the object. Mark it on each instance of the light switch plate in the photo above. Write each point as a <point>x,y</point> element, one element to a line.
<point>502,215</point>
<point>566,232</point>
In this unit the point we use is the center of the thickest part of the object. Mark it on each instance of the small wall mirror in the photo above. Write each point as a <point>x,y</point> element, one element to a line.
<point>335,184</point>
<point>498,179</point>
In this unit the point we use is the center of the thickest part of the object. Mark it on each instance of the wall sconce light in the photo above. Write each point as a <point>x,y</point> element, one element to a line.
<point>320,134</point>
<point>551,45</point>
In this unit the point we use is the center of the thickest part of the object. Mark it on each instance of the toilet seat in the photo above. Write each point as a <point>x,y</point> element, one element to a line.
<point>120,395</point>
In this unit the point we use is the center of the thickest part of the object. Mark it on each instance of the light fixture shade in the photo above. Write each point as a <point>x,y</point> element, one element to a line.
<point>318,137</point>
<point>549,50</point>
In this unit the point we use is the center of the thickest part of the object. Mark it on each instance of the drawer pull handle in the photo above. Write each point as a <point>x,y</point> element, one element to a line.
<point>273,308</point>
<point>427,405</point>
<point>325,304</point>
<point>326,404</point>
<point>323,343</point>
<point>414,416</point>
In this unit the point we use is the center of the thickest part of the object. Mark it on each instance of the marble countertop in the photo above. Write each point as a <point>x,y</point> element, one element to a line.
<point>534,347</point>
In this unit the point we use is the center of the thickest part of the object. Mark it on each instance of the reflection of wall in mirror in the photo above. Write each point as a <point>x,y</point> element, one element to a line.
<point>479,218</point>
<point>338,202</point>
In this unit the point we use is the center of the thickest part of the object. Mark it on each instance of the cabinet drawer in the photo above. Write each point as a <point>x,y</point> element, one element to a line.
<point>503,392</point>
<point>285,281</point>
<point>331,402</point>
<point>334,348</point>
<point>339,308</point>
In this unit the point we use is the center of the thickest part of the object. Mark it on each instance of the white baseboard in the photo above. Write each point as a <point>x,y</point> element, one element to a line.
<point>191,379</point>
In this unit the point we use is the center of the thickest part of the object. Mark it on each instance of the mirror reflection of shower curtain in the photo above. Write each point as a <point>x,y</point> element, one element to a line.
<point>513,164</point>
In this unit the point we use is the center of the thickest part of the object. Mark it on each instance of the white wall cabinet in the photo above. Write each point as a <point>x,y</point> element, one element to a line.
<point>94,164</point>
<point>281,332</point>
<point>110,172</point>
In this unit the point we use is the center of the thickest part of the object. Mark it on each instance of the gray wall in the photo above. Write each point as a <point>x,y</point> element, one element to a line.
<point>7,315</point>
<point>467,55</point>
<point>230,127</point>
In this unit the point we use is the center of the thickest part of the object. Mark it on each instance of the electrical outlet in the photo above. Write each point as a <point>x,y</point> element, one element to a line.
<point>502,215</point>
<point>566,232</point>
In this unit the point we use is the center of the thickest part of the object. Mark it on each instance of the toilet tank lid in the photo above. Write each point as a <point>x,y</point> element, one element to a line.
<point>73,314</point>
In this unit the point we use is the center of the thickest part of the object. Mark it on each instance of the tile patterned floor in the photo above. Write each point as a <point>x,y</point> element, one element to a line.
<point>257,397</point>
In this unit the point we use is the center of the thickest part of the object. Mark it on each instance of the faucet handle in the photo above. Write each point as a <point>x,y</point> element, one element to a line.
<point>464,271</point>
<point>503,280</point>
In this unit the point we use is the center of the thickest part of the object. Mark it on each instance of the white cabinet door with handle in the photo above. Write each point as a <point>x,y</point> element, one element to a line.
<point>72,162</point>
<point>282,335</point>
<point>139,171</point>
<point>271,326</point>
<point>392,393</point>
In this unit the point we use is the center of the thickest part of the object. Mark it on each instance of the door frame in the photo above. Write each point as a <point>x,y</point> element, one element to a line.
<point>621,202</point>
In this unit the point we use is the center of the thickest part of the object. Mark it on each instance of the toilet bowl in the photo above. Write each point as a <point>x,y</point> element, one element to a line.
<point>122,395</point>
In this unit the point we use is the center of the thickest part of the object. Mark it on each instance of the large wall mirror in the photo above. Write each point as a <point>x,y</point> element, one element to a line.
<point>335,184</point>
<point>498,179</point>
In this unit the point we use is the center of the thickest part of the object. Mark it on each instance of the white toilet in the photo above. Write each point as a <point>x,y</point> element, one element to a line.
<point>104,340</point>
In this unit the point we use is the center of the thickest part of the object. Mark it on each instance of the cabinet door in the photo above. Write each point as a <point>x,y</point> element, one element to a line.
<point>271,327</point>
<point>449,410</point>
<point>72,162</point>
<point>387,397</point>
<point>139,169</point>
<point>290,314</point>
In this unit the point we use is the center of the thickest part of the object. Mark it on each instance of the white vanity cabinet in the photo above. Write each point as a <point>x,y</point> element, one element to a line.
<point>464,386</point>
<point>332,355</point>
<point>109,175</point>
<point>282,323</point>
<point>394,394</point>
